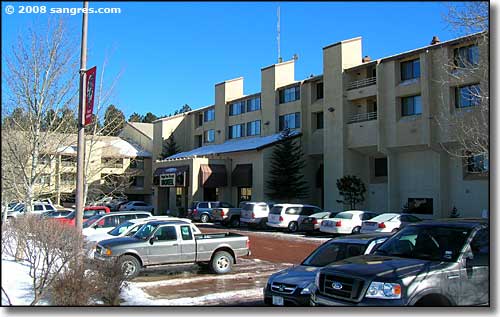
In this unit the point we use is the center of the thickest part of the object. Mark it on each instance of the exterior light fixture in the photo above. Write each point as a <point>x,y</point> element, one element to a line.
<point>331,109</point>
<point>267,123</point>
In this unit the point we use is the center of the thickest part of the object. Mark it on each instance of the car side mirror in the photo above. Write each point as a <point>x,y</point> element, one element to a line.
<point>152,240</point>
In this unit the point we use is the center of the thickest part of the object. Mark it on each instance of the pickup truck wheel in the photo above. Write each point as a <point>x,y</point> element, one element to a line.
<point>222,262</point>
<point>293,226</point>
<point>130,266</point>
<point>204,218</point>
<point>235,222</point>
<point>263,223</point>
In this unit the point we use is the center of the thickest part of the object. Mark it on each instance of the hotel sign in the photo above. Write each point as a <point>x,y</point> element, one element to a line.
<point>167,180</point>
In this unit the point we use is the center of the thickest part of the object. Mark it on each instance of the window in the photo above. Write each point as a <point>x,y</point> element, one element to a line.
<point>411,106</point>
<point>138,163</point>
<point>319,120</point>
<point>44,179</point>
<point>293,210</point>
<point>422,206</point>
<point>289,121</point>
<point>253,128</point>
<point>37,207</point>
<point>466,56</point>
<point>203,205</point>
<point>198,140</point>
<point>289,94</point>
<point>68,178</point>
<point>209,115</point>
<point>199,120</point>
<point>380,167</point>
<point>209,136</point>
<point>179,193</point>
<point>138,181</point>
<point>307,211</point>
<point>166,234</point>
<point>410,69</point>
<point>186,233</point>
<point>478,163</point>
<point>467,96</point>
<point>319,91</point>
<point>253,104</point>
<point>68,160</point>
<point>236,131</point>
<point>112,162</point>
<point>244,194</point>
<point>237,108</point>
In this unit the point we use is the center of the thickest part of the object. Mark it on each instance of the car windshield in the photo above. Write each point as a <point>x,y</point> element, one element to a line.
<point>426,242</point>
<point>344,215</point>
<point>383,217</point>
<point>145,231</point>
<point>19,207</point>
<point>91,220</point>
<point>121,228</point>
<point>331,252</point>
<point>71,215</point>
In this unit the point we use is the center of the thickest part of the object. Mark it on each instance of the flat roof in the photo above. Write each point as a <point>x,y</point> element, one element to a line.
<point>236,145</point>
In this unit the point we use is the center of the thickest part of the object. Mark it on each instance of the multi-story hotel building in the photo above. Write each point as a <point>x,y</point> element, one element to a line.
<point>373,119</point>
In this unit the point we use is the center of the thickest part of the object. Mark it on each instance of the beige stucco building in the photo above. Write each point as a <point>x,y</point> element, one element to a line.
<point>373,119</point>
<point>114,165</point>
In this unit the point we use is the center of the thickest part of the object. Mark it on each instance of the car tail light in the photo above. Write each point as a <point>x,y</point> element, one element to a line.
<point>281,219</point>
<point>253,215</point>
<point>195,211</point>
<point>222,213</point>
<point>338,223</point>
<point>381,225</point>
<point>248,243</point>
<point>315,221</point>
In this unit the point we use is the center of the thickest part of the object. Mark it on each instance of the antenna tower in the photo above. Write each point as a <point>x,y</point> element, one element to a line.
<point>278,37</point>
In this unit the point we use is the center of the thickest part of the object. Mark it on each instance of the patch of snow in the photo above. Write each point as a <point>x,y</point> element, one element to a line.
<point>16,282</point>
<point>232,146</point>
<point>133,295</point>
<point>129,149</point>
<point>409,82</point>
<point>67,149</point>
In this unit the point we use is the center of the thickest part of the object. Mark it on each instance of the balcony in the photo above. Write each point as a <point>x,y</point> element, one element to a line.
<point>361,117</point>
<point>365,82</point>
<point>362,135</point>
<point>363,88</point>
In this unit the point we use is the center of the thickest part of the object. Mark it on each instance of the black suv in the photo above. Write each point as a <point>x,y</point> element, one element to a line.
<point>433,263</point>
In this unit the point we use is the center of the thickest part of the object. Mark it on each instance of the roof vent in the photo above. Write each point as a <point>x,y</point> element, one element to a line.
<point>366,59</point>
<point>435,40</point>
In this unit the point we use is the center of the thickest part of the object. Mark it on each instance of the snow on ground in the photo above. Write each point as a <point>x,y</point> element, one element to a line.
<point>133,295</point>
<point>16,282</point>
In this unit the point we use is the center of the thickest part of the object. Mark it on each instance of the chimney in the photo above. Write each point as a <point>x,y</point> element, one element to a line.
<point>435,40</point>
<point>366,59</point>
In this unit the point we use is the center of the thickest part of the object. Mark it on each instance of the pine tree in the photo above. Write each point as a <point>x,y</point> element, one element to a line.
<point>114,120</point>
<point>169,147</point>
<point>149,118</point>
<point>135,117</point>
<point>286,181</point>
<point>185,108</point>
<point>352,189</point>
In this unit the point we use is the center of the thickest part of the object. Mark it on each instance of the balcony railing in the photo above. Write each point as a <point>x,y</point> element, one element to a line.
<point>360,117</point>
<point>362,83</point>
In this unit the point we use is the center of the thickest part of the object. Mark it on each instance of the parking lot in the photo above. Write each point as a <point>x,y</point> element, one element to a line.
<point>194,285</point>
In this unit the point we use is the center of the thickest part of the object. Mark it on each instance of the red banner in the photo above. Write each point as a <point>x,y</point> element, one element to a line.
<point>89,95</point>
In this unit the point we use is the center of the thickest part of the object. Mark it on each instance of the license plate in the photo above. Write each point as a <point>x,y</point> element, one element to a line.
<point>278,300</point>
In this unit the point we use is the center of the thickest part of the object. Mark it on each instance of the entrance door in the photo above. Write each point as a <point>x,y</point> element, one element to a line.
<point>210,194</point>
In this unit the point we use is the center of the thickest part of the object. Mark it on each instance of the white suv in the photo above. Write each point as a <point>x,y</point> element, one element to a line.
<point>290,216</point>
<point>255,213</point>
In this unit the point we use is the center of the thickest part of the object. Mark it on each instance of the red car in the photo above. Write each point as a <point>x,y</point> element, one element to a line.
<point>87,213</point>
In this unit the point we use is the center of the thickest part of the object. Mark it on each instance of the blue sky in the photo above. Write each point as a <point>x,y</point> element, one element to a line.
<point>174,53</point>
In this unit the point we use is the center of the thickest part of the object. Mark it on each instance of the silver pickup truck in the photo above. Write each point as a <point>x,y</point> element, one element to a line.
<point>172,242</point>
